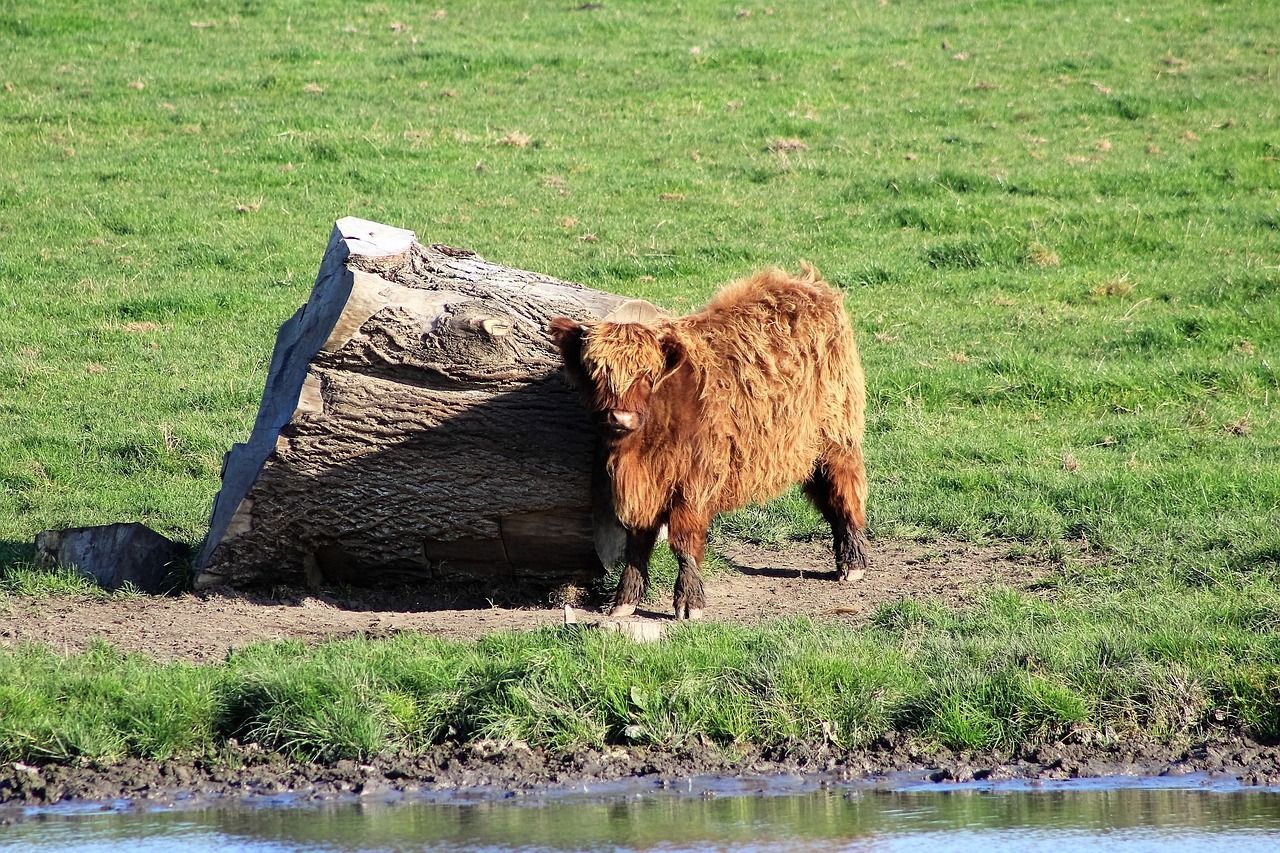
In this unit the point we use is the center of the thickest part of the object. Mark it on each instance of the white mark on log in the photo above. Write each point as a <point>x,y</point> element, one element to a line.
<point>241,521</point>
<point>373,239</point>
<point>494,327</point>
<point>310,398</point>
<point>368,297</point>
<point>206,579</point>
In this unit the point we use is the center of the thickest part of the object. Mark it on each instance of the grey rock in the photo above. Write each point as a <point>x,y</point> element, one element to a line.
<point>113,554</point>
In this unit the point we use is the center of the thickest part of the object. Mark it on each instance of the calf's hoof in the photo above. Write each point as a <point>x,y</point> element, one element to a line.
<point>852,575</point>
<point>620,610</point>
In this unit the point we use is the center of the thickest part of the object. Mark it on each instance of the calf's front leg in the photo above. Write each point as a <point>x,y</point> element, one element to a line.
<point>687,535</point>
<point>635,576</point>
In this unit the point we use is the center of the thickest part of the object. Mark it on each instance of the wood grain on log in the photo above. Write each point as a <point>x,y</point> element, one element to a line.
<point>415,427</point>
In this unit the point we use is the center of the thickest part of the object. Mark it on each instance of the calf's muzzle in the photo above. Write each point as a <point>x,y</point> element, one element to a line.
<point>621,420</point>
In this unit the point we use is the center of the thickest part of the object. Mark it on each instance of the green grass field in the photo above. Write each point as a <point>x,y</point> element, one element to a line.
<point>1057,226</point>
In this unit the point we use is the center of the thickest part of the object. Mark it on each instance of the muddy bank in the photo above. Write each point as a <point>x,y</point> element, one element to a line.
<point>768,583</point>
<point>494,770</point>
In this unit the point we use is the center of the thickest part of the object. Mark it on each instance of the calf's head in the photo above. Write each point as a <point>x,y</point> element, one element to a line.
<point>617,367</point>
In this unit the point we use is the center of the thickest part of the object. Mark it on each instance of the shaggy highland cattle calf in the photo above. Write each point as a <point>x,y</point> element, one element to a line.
<point>725,407</point>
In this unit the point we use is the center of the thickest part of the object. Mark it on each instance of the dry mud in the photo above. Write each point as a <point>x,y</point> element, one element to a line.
<point>794,581</point>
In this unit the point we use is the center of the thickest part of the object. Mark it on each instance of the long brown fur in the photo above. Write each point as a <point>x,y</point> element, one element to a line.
<point>760,389</point>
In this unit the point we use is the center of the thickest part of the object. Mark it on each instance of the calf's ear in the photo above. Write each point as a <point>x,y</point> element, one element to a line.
<point>567,336</point>
<point>676,356</point>
<point>562,329</point>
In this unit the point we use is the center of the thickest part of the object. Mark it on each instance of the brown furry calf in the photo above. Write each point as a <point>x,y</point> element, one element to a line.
<point>709,412</point>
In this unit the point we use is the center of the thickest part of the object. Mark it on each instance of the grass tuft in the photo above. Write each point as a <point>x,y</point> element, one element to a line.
<point>1012,671</point>
<point>29,580</point>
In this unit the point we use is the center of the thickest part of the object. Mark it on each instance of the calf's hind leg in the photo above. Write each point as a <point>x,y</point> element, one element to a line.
<point>838,488</point>
<point>635,576</point>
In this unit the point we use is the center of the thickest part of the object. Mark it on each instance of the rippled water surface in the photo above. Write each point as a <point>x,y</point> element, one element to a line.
<point>1098,818</point>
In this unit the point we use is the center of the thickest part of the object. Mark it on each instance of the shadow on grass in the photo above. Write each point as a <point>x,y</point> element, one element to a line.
<point>13,553</point>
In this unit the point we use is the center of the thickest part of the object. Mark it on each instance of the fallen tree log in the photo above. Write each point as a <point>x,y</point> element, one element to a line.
<point>415,428</point>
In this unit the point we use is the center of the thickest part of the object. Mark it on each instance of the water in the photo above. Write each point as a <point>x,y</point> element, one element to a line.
<point>731,815</point>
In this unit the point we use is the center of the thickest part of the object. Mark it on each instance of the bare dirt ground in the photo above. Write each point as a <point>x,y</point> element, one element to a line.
<point>797,580</point>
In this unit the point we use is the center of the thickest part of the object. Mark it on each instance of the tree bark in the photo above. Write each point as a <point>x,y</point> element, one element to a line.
<point>415,428</point>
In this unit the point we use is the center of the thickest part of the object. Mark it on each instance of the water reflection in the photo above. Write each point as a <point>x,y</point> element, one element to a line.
<point>1109,819</point>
